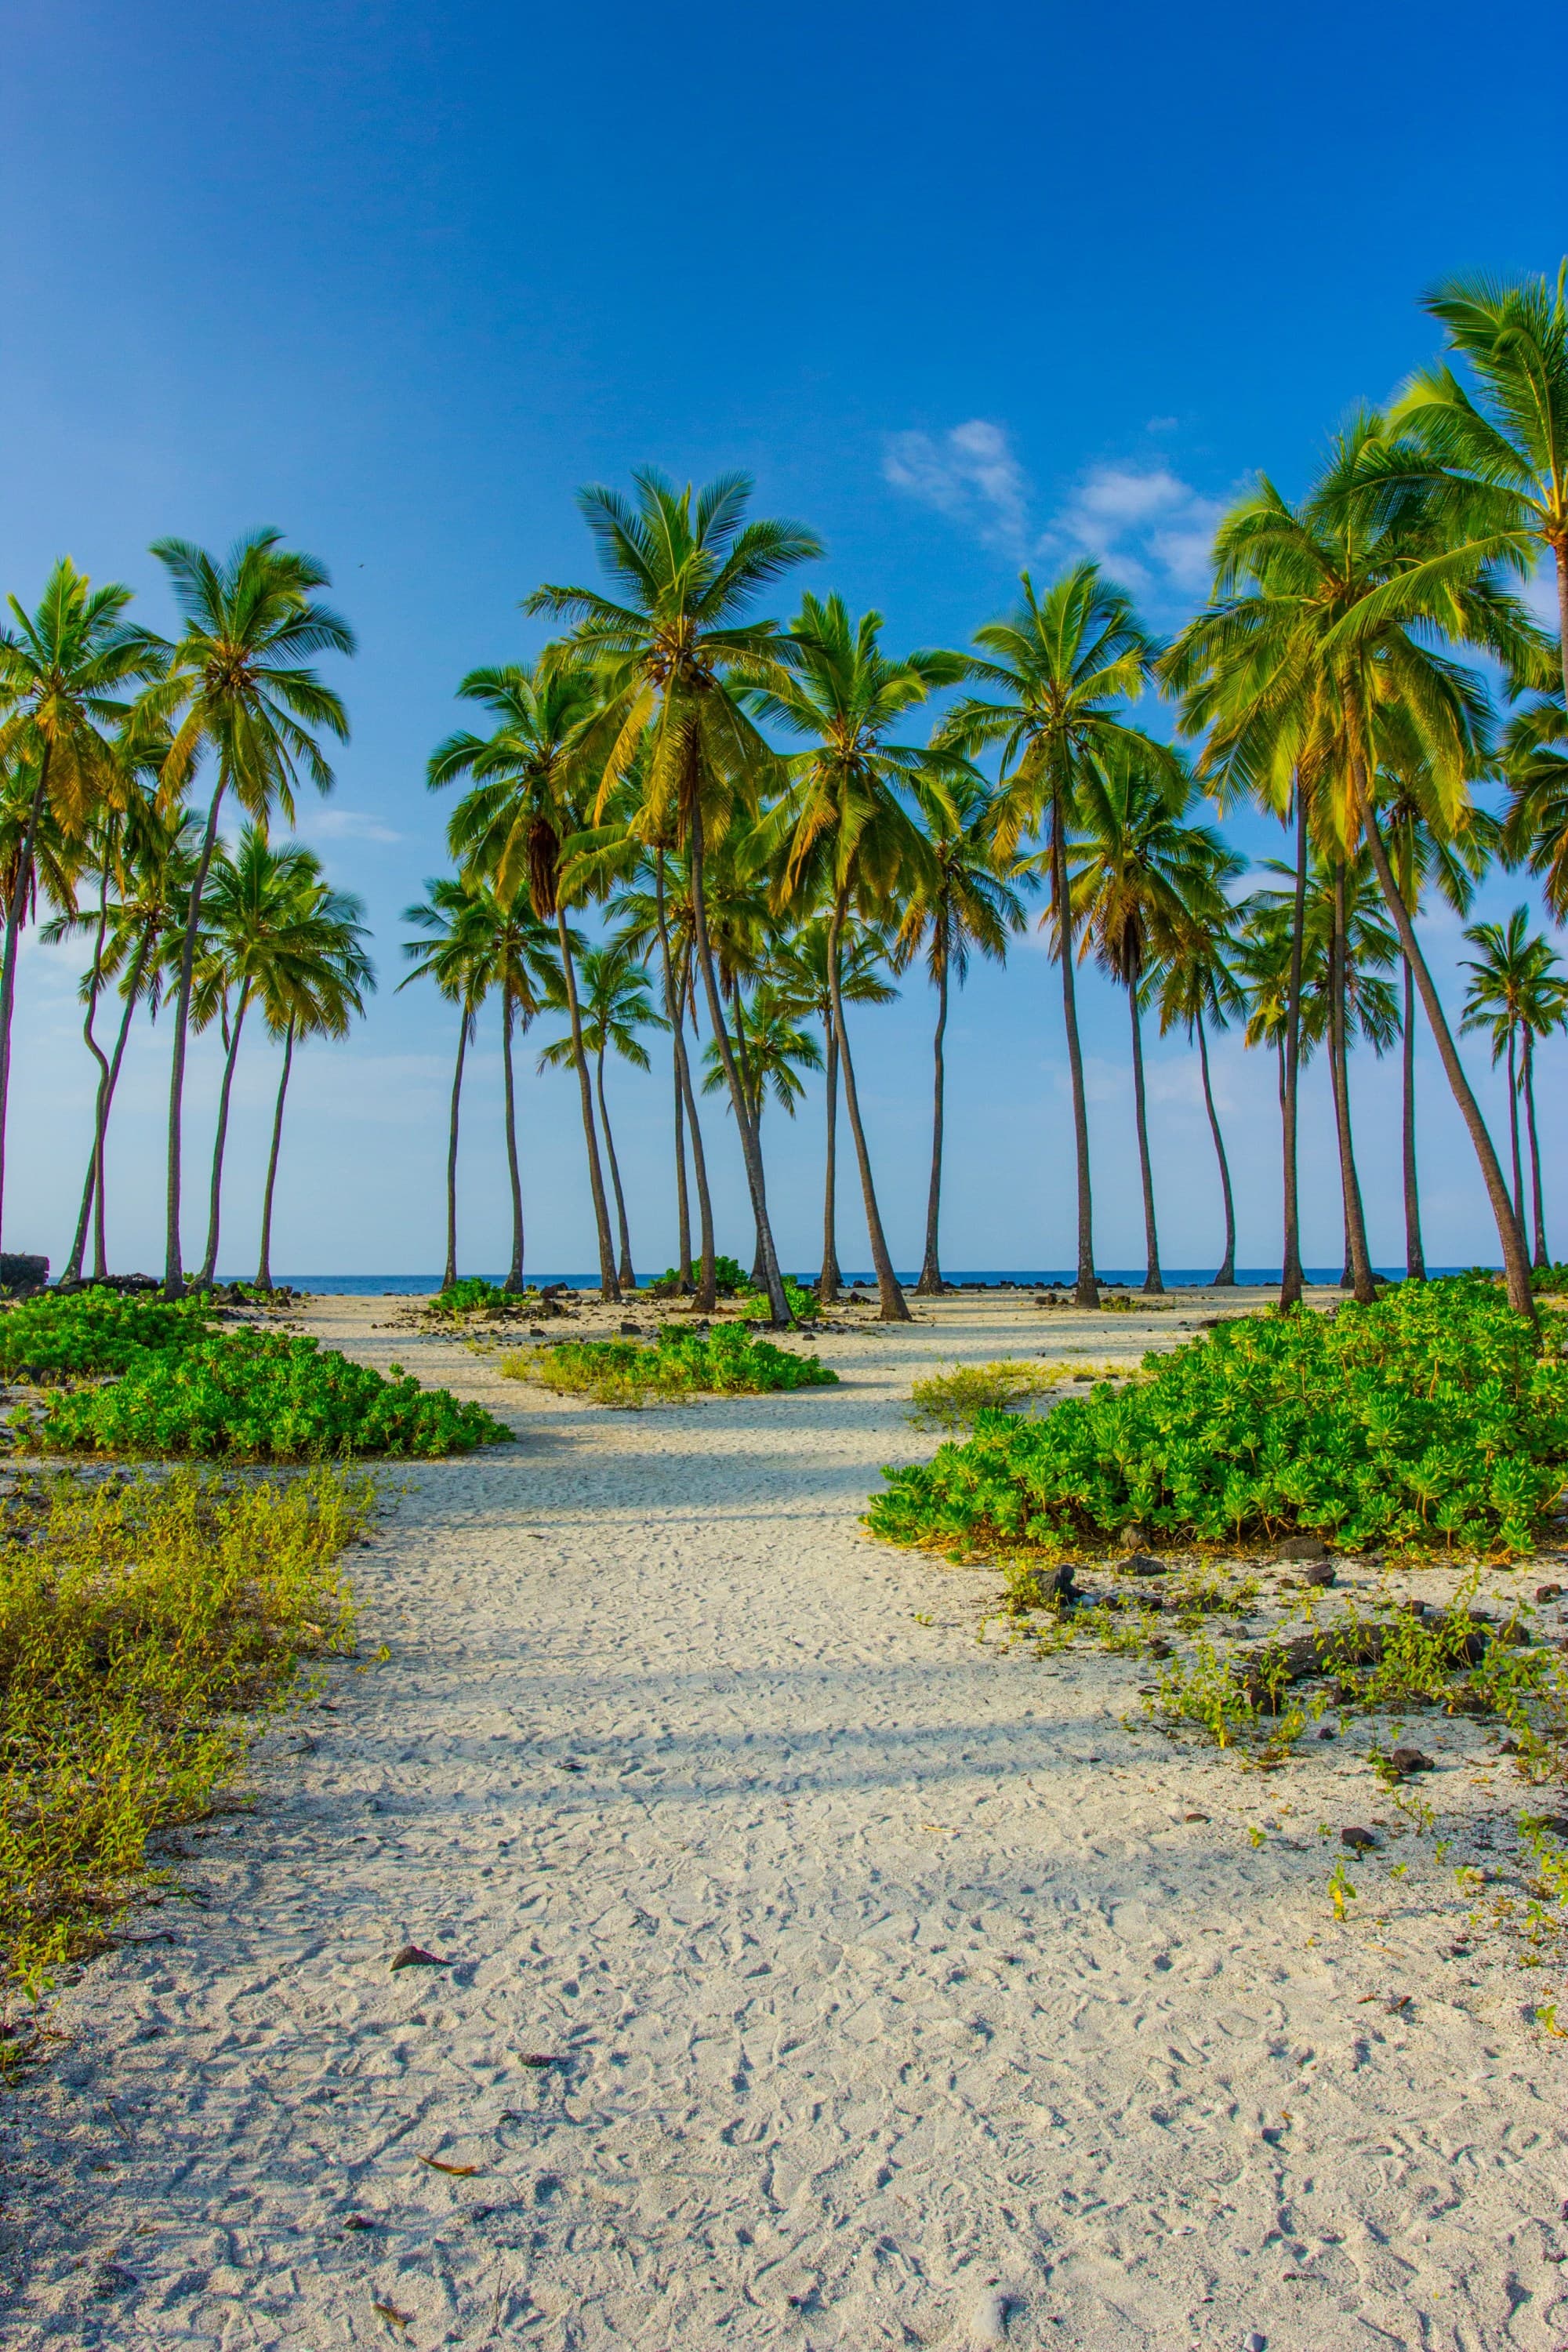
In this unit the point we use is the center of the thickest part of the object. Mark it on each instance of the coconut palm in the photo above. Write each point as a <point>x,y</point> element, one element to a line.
<point>318,995</point>
<point>1535,821</point>
<point>799,969</point>
<point>616,1005</point>
<point>64,669</point>
<point>237,684</point>
<point>960,902</point>
<point>1517,994</point>
<point>847,825</point>
<point>690,569</point>
<point>777,1051</point>
<point>1326,653</point>
<point>1195,985</point>
<point>532,790</point>
<point>451,955</point>
<point>1137,873</point>
<point>1061,667</point>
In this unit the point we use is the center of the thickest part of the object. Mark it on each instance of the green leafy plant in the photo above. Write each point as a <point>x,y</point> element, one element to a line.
<point>473,1296</point>
<point>1435,1416</point>
<point>956,1399</point>
<point>730,1278</point>
<point>728,1360</point>
<point>802,1304</point>
<point>70,1335</point>
<point>255,1396</point>
<point>135,1618</point>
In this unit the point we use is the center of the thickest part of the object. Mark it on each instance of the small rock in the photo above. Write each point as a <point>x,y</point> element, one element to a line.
<point>1358,1840</point>
<point>1327,1731</point>
<point>1194,1817</point>
<point>1319,1572</point>
<point>1300,1547</point>
<point>1556,1823</point>
<point>1410,1759</point>
<point>1143,1563</point>
<point>1160,1647</point>
<point>113,2278</point>
<point>1255,2341</point>
<point>414,1956</point>
<point>1549,1592</point>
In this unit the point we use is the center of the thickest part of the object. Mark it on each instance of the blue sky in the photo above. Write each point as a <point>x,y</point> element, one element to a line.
<point>961,287</point>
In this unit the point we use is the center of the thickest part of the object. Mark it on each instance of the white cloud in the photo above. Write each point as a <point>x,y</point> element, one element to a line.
<point>1146,525</point>
<point>970,474</point>
<point>343,825</point>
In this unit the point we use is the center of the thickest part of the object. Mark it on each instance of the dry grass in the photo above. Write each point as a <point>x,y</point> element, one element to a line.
<point>952,1400</point>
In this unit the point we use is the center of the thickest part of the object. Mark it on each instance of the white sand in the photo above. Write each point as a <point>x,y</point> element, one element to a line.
<point>894,1999</point>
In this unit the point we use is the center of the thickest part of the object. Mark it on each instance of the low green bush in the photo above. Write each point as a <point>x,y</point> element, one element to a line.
<point>730,1278</point>
<point>1435,1415</point>
<point>802,1304</point>
<point>135,1618</point>
<point>1548,1278</point>
<point>255,1396</point>
<point>475,1296</point>
<point>727,1362</point>
<point>70,1335</point>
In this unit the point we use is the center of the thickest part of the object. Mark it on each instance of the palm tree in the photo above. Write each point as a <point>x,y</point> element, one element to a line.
<point>1138,872</point>
<point>1498,461</point>
<point>776,1050</point>
<point>1322,658</point>
<point>237,684</point>
<point>1197,986</point>
<point>616,1005</point>
<point>798,970</point>
<point>1062,666</point>
<point>849,837</point>
<point>958,903</point>
<point>316,995</point>
<point>690,569</point>
<point>532,792</point>
<point>1535,822</point>
<point>261,935</point>
<point>451,956</point>
<point>1516,994</point>
<point>62,671</point>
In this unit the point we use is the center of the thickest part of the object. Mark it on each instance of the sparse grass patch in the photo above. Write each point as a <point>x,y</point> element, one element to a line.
<point>137,1619</point>
<point>956,1399</point>
<point>726,1361</point>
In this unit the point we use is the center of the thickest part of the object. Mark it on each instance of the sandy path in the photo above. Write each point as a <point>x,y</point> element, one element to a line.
<point>890,1995</point>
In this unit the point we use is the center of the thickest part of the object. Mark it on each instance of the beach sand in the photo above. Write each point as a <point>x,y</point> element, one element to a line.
<point>887,1991</point>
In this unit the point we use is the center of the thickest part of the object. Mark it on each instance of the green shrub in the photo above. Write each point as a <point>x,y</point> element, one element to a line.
<point>727,1362</point>
<point>135,1617</point>
<point>68,1334</point>
<point>802,1304</point>
<point>1434,1415</point>
<point>730,1277</point>
<point>1547,1278</point>
<point>475,1296</point>
<point>256,1396</point>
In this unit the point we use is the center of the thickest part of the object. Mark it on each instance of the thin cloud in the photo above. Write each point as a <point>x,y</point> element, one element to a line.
<point>344,824</point>
<point>968,474</point>
<point>1145,524</point>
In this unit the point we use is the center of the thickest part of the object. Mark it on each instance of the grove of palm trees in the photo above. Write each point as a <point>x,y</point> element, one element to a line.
<point>700,828</point>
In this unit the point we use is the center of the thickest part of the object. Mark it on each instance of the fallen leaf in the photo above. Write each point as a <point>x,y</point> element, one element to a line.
<point>414,1956</point>
<point>461,2171</point>
<point>389,2311</point>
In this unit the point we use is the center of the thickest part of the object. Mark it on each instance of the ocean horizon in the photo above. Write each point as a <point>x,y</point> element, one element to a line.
<point>415,1286</point>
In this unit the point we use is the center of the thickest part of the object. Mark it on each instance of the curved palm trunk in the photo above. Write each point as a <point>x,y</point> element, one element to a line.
<point>1290,1275</point>
<point>753,1102</point>
<point>778,1305</point>
<point>1359,1266</point>
<point>264,1261</point>
<point>627,1279</point>
<point>463,1026</point>
<point>895,1307</point>
<point>1538,1212</point>
<point>706,1297</point>
<point>673,1014</point>
<point>95,1174</point>
<point>173,1269</point>
<point>1415,1255</point>
<point>830,1282</point>
<point>609,1287</point>
<point>19,885</point>
<point>1086,1292</point>
<point>1513,1135</point>
<point>1515,1263</point>
<point>215,1197</point>
<point>79,1239</point>
<point>1225,1278</point>
<point>1152,1281</point>
<point>683,1191</point>
<point>509,1015</point>
<point>930,1283</point>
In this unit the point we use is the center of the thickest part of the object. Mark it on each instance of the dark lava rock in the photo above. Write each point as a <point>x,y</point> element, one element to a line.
<point>1319,1572</point>
<point>1556,1823</point>
<point>1549,1592</point>
<point>1143,1563</point>
<point>1359,1841</point>
<point>1410,1759</point>
<point>1300,1548</point>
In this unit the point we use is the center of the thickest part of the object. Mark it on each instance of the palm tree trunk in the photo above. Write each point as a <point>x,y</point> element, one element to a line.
<point>830,1281</point>
<point>609,1287</point>
<point>209,1262</point>
<point>930,1283</point>
<point>1225,1278</point>
<point>1290,1275</point>
<point>451,1276</point>
<point>13,932</point>
<point>1513,1134</point>
<point>754,1114</point>
<point>627,1279</point>
<point>1415,1255</point>
<point>78,1240</point>
<point>1539,1215</point>
<point>508,1088</point>
<point>1360,1267</point>
<point>672,1013</point>
<point>263,1262</point>
<point>895,1307</point>
<point>1086,1293</point>
<point>706,1297</point>
<point>1154,1283</point>
<point>778,1305</point>
<point>682,1193</point>
<point>96,1172</point>
<point>174,1267</point>
<point>1515,1263</point>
